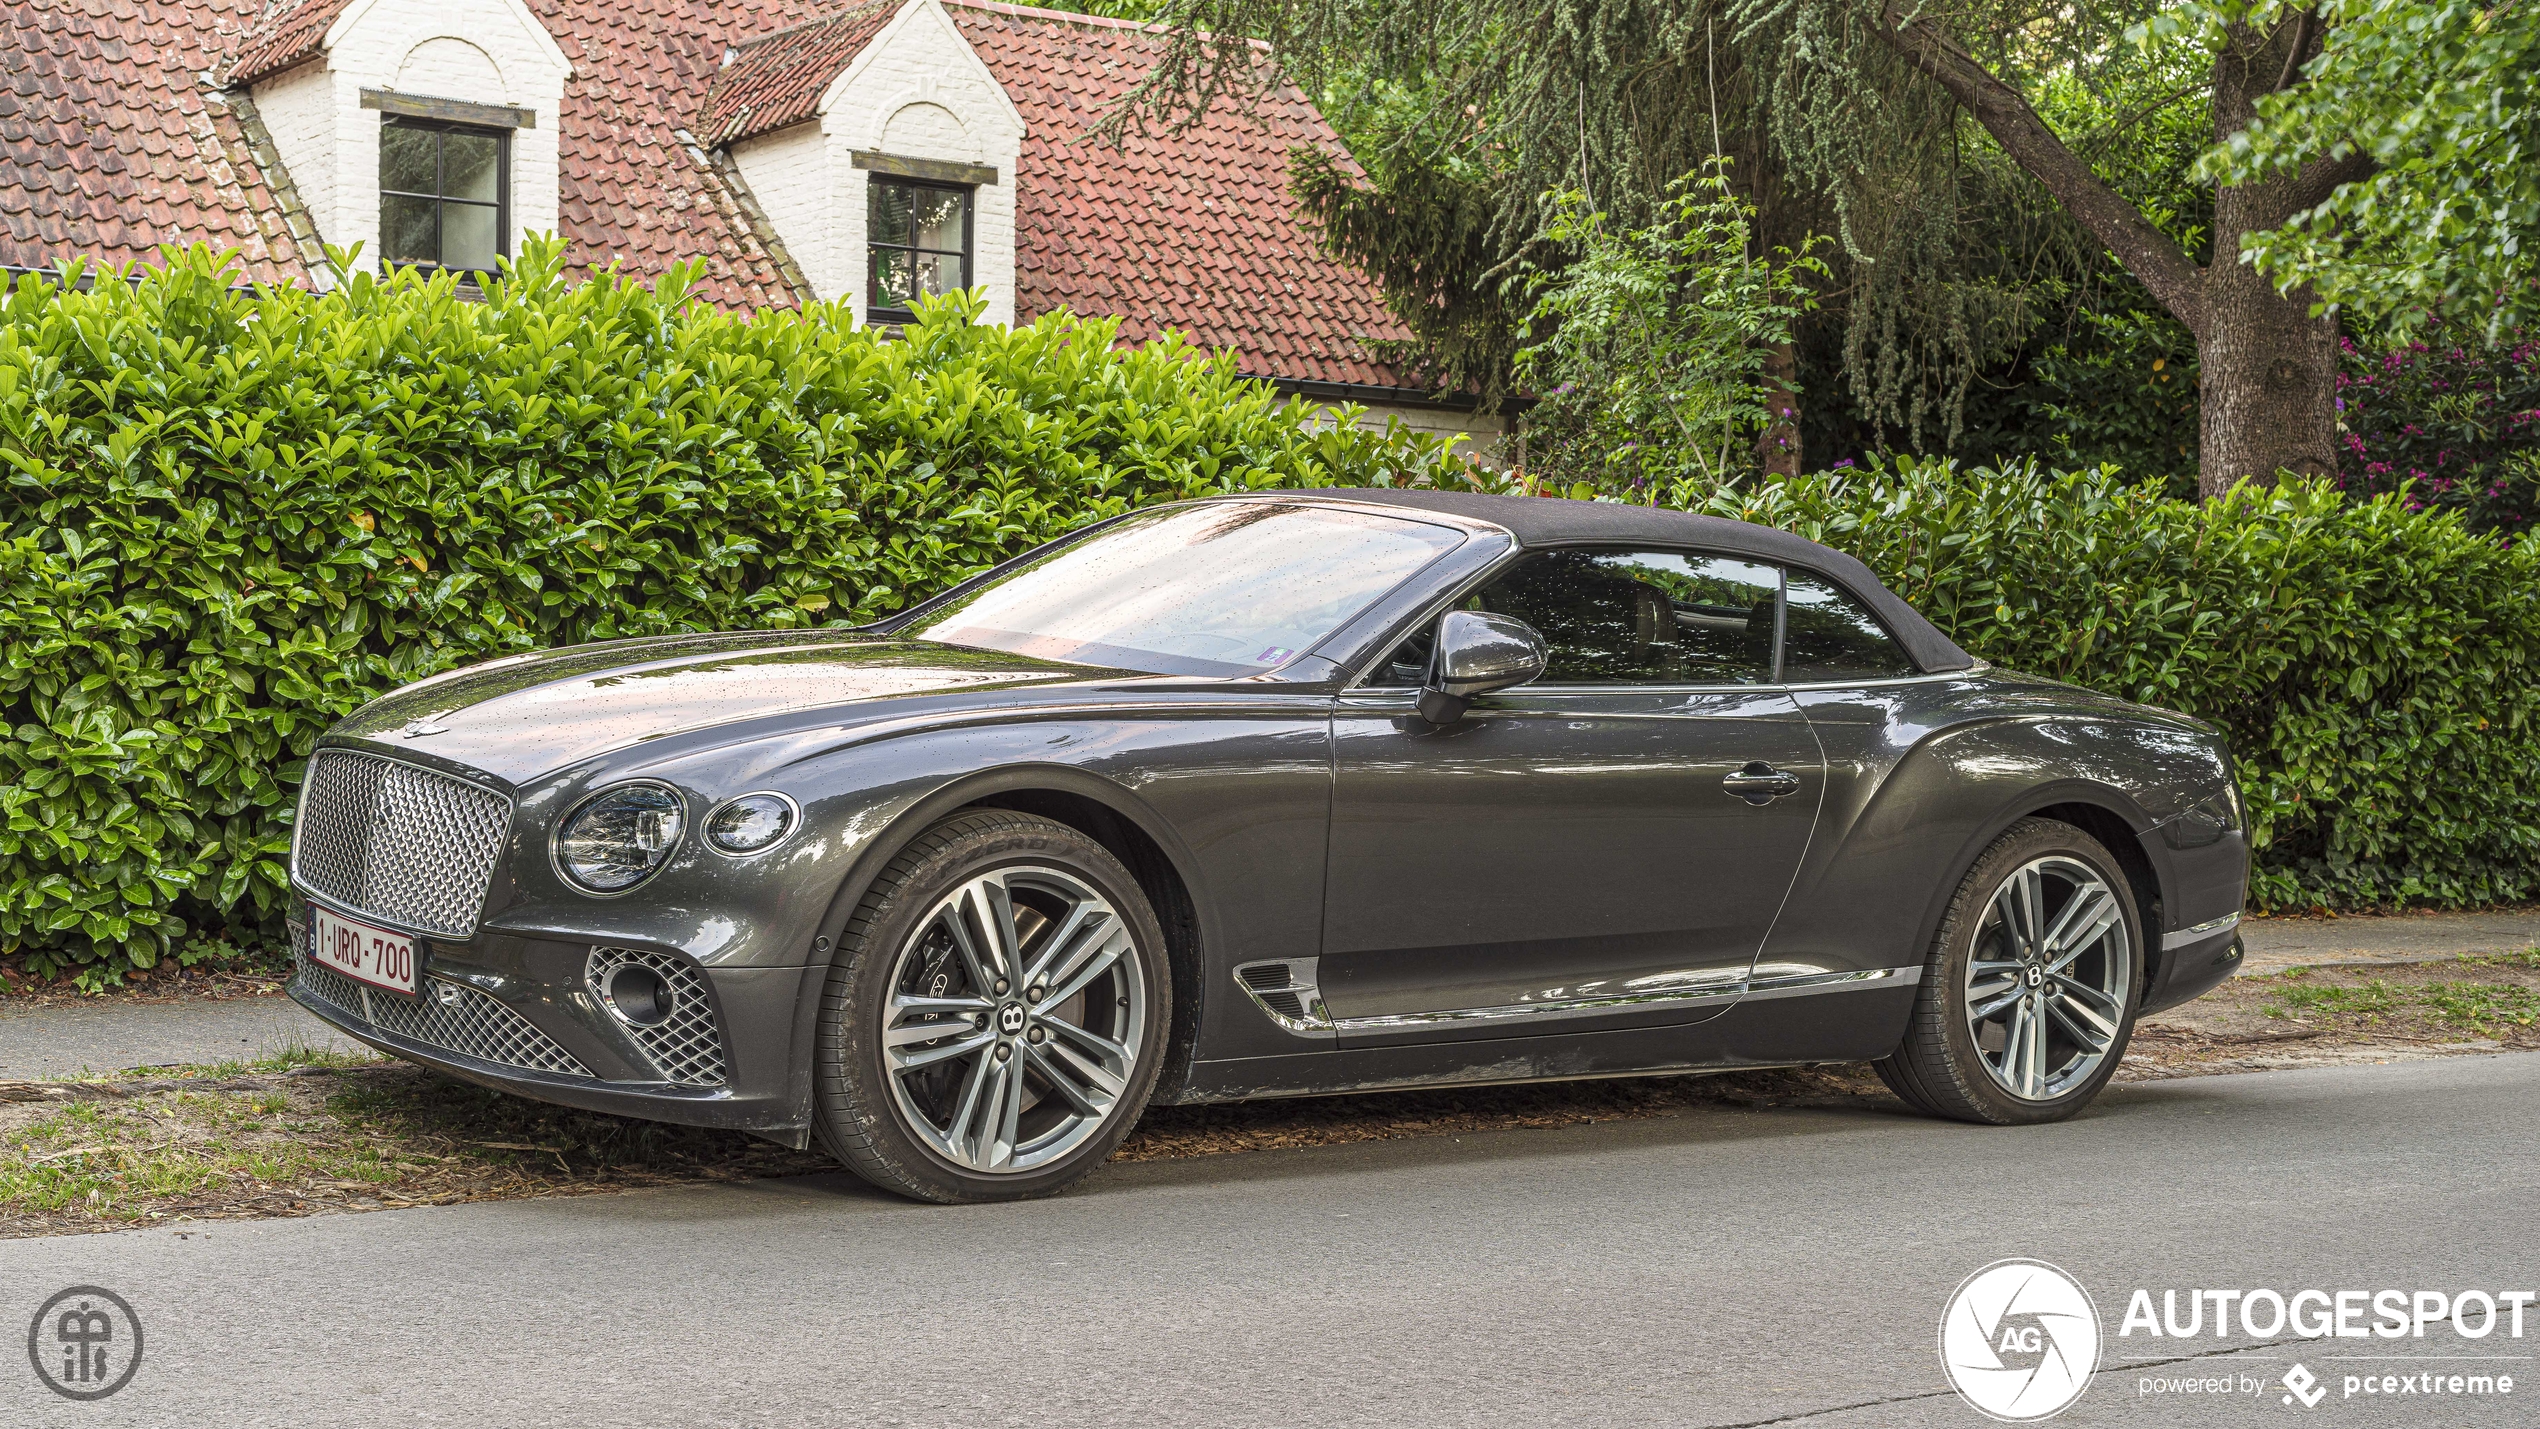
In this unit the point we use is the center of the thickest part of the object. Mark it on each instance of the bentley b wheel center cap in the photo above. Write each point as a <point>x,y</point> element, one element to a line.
<point>2035,976</point>
<point>1010,1018</point>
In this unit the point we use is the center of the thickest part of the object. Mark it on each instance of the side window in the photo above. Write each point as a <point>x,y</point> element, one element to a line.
<point>917,242</point>
<point>1829,636</point>
<point>444,195</point>
<point>1644,617</point>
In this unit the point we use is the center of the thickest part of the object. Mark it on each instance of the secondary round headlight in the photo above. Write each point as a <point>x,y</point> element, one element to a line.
<point>751,822</point>
<point>616,840</point>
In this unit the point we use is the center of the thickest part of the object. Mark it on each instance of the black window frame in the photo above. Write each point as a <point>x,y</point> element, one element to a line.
<point>502,204</point>
<point>875,312</point>
<point>1384,673</point>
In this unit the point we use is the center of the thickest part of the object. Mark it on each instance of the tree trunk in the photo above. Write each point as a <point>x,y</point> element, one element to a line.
<point>1777,450</point>
<point>2268,370</point>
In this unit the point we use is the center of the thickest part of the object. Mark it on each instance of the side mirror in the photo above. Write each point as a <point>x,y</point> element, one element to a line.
<point>1476,653</point>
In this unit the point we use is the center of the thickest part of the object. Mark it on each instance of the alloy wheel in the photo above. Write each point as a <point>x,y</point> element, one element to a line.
<point>1015,1012</point>
<point>2049,978</point>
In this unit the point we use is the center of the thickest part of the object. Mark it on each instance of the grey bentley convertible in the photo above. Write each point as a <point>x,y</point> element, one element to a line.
<point>1266,796</point>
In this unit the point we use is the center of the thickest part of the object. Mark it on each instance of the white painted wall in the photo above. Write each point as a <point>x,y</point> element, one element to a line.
<point>1485,438</point>
<point>916,90</point>
<point>788,173</point>
<point>480,51</point>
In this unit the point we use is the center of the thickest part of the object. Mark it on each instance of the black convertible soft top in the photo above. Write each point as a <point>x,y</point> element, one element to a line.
<point>1539,521</point>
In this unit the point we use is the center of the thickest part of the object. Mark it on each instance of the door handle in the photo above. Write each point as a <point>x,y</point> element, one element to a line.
<point>1760,783</point>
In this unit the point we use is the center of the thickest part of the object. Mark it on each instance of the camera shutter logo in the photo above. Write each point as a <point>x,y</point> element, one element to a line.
<point>2020,1341</point>
<point>85,1343</point>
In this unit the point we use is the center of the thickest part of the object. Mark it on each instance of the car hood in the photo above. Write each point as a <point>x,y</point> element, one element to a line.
<point>527,715</point>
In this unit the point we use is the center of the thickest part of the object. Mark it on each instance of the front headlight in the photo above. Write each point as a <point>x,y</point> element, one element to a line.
<point>616,840</point>
<point>752,823</point>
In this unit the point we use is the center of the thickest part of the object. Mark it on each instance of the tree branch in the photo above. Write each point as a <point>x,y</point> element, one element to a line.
<point>2301,41</point>
<point>2316,180</point>
<point>2148,253</point>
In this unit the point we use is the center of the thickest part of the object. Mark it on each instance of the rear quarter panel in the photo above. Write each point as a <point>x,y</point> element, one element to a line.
<point>1922,775</point>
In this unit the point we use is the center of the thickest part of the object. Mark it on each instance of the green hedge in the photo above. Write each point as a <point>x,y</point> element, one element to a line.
<point>230,517</point>
<point>2378,669</point>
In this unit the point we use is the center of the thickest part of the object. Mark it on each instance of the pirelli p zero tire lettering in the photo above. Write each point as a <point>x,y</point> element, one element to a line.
<point>995,1015</point>
<point>2029,993</point>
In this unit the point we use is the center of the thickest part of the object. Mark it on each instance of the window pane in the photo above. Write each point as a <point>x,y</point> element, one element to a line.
<point>935,216</point>
<point>471,164</point>
<point>1830,636</point>
<point>467,236</point>
<point>886,213</point>
<point>938,273</point>
<point>891,278</point>
<point>1644,617</point>
<point>405,230</point>
<point>1226,589</point>
<point>406,158</point>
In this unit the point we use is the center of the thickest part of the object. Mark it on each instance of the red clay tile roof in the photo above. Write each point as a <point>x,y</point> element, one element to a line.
<point>776,80</point>
<point>108,146</point>
<point>289,33</point>
<point>1194,230</point>
<point>632,191</point>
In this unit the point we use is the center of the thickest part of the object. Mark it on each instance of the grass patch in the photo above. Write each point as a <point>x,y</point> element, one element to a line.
<point>2475,1005</point>
<point>308,1132</point>
<point>117,1161</point>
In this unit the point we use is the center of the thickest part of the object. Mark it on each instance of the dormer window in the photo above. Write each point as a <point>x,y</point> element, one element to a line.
<point>444,194</point>
<point>917,236</point>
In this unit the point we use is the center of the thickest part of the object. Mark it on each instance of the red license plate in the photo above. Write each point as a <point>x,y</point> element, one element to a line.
<point>358,950</point>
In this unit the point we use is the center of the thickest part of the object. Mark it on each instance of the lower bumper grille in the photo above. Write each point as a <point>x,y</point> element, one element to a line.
<point>685,1046</point>
<point>450,1016</point>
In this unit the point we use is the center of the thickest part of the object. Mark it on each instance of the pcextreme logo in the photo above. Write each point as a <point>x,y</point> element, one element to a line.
<point>2020,1341</point>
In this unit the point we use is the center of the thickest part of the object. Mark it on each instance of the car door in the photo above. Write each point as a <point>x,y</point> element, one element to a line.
<point>1605,847</point>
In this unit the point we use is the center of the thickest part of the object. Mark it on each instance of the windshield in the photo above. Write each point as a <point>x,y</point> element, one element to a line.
<point>1229,588</point>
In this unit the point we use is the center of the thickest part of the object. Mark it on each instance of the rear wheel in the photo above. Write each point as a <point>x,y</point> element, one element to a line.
<point>2029,992</point>
<point>995,1016</point>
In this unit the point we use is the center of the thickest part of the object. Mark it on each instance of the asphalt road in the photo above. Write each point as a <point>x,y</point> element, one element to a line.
<point>65,1040</point>
<point>1730,1268</point>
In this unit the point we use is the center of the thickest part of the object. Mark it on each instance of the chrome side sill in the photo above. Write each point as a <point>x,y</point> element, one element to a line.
<point>2184,936</point>
<point>1794,986</point>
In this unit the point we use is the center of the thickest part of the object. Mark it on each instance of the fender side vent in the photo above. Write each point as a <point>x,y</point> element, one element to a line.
<point>1287,991</point>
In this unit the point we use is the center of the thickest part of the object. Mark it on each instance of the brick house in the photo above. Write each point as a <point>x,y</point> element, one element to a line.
<point>802,151</point>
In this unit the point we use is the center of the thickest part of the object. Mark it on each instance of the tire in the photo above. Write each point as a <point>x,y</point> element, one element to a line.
<point>1032,1083</point>
<point>2012,1028</point>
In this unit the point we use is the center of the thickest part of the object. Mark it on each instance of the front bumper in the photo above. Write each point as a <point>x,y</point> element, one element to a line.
<point>514,1015</point>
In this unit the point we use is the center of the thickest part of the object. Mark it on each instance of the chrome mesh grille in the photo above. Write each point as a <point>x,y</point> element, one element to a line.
<point>471,1024</point>
<point>407,844</point>
<point>685,1047</point>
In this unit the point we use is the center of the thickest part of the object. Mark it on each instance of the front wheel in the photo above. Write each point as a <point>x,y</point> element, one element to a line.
<point>2029,992</point>
<point>995,1016</point>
